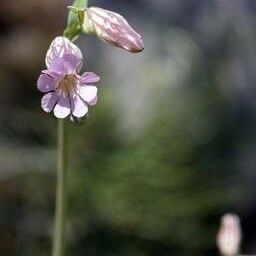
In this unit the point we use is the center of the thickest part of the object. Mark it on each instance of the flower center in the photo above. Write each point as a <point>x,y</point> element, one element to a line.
<point>67,84</point>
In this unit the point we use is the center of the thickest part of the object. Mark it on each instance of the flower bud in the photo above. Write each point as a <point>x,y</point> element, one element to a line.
<point>230,235</point>
<point>112,28</point>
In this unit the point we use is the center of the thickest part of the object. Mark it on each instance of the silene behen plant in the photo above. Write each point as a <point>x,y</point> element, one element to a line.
<point>67,93</point>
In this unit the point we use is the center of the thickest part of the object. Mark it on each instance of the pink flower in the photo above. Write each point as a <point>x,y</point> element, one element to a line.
<point>67,93</point>
<point>112,28</point>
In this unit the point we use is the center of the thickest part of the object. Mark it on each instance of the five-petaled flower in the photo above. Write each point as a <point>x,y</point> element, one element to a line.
<point>67,93</point>
<point>112,28</point>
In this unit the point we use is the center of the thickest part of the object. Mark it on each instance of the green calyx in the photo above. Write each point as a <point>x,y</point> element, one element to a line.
<point>75,19</point>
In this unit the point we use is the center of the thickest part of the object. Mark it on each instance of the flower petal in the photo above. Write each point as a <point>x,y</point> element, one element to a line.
<point>89,78</point>
<point>59,47</point>
<point>78,107</point>
<point>88,93</point>
<point>94,101</point>
<point>52,74</point>
<point>62,108</point>
<point>58,66</point>
<point>45,83</point>
<point>68,64</point>
<point>48,101</point>
<point>72,63</point>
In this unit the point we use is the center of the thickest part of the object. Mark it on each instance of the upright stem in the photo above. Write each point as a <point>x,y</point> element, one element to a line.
<point>61,193</point>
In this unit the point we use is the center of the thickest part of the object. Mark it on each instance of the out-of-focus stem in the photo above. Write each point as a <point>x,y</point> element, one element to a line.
<point>61,193</point>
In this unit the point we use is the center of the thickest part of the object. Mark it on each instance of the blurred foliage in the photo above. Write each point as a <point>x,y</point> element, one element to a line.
<point>167,150</point>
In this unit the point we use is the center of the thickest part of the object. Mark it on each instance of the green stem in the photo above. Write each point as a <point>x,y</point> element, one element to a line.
<point>61,193</point>
<point>59,238</point>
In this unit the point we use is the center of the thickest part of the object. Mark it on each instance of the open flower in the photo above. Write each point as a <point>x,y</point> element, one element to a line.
<point>112,28</point>
<point>67,93</point>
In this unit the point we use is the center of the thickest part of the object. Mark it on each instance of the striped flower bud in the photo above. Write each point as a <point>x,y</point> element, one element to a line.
<point>112,28</point>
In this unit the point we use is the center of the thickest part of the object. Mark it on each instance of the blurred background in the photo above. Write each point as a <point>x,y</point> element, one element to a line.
<point>169,148</point>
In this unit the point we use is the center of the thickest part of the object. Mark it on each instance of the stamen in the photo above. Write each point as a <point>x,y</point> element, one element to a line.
<point>67,84</point>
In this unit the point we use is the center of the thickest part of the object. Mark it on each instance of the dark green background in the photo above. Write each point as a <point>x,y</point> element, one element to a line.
<point>168,149</point>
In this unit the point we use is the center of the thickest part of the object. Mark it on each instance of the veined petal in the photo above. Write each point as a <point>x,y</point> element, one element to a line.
<point>62,108</point>
<point>68,64</point>
<point>58,66</point>
<point>46,83</point>
<point>52,74</point>
<point>48,101</point>
<point>72,63</point>
<point>88,93</point>
<point>89,78</point>
<point>59,47</point>
<point>78,107</point>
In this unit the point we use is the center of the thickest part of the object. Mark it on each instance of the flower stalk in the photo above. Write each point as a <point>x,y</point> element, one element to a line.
<point>59,237</point>
<point>61,192</point>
